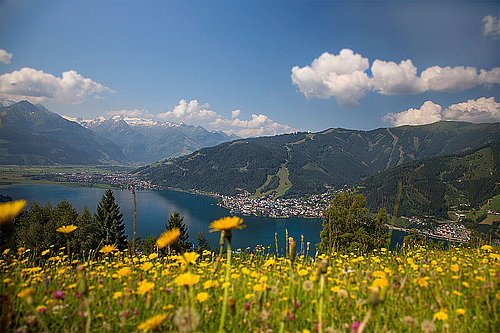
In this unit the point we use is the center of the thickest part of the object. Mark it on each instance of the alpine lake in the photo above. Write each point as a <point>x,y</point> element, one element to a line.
<point>154,208</point>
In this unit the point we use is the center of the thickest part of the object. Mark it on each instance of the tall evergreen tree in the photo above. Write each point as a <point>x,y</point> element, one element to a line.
<point>110,228</point>
<point>202,243</point>
<point>181,244</point>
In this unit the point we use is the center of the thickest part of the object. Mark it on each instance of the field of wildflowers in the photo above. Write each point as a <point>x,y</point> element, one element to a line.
<point>252,290</point>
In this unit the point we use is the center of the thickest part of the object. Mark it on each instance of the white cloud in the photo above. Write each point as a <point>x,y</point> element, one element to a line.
<point>344,77</point>
<point>393,79</point>
<point>259,125</point>
<point>428,113</point>
<point>235,114</point>
<point>37,86</point>
<point>5,56</point>
<point>341,76</point>
<point>189,111</point>
<point>491,26</point>
<point>130,113</point>
<point>476,111</point>
<point>193,112</point>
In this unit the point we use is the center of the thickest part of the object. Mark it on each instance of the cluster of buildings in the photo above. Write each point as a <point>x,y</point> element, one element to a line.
<point>310,207</point>
<point>116,180</point>
<point>454,232</point>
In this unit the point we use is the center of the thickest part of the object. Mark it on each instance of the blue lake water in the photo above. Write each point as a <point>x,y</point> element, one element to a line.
<point>155,207</point>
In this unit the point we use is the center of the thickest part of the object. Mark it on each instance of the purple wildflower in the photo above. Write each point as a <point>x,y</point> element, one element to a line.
<point>354,326</point>
<point>58,294</point>
<point>247,306</point>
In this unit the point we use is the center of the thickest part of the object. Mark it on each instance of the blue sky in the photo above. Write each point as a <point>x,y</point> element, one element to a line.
<point>256,68</point>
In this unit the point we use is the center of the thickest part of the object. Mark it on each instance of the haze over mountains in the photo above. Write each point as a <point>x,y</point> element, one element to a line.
<point>31,134</point>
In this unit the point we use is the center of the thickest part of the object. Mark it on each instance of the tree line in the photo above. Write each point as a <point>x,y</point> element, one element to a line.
<point>35,229</point>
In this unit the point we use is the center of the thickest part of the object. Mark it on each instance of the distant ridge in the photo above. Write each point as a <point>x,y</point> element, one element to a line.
<point>31,134</point>
<point>432,186</point>
<point>147,140</point>
<point>304,163</point>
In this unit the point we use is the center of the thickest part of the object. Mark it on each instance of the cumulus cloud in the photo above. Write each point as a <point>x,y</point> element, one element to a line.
<point>476,111</point>
<point>341,76</point>
<point>189,111</point>
<point>130,113</point>
<point>344,77</point>
<point>491,26</point>
<point>428,113</point>
<point>193,112</point>
<point>37,86</point>
<point>5,56</point>
<point>259,125</point>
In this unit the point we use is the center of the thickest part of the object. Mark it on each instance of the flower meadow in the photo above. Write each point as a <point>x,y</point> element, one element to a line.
<point>251,290</point>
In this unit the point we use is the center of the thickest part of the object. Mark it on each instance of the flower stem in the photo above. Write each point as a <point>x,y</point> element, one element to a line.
<point>226,288</point>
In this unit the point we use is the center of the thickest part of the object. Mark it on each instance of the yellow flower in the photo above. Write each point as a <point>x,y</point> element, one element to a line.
<point>379,274</point>
<point>259,287</point>
<point>454,268</point>
<point>227,224</point>
<point>168,237</point>
<point>460,311</point>
<point>9,210</point>
<point>26,292</point>
<point>202,297</point>
<point>123,271</point>
<point>66,229</point>
<point>108,249</point>
<point>422,282</point>
<point>208,284</point>
<point>45,252</point>
<point>486,248</point>
<point>117,294</point>
<point>152,323</point>
<point>188,258</point>
<point>303,272</point>
<point>441,315</point>
<point>153,256</point>
<point>187,279</point>
<point>146,266</point>
<point>145,286</point>
<point>381,283</point>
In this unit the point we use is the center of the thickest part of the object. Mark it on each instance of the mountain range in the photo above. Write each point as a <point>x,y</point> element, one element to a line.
<point>147,140</point>
<point>306,163</point>
<point>31,134</point>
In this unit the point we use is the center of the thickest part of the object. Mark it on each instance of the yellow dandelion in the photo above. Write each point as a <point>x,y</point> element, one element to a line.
<point>422,282</point>
<point>117,294</point>
<point>146,266</point>
<point>66,229</point>
<point>486,248</point>
<point>380,283</point>
<point>124,271</point>
<point>454,268</point>
<point>152,323</point>
<point>187,279</point>
<point>227,224</point>
<point>460,311</point>
<point>188,258</point>
<point>153,256</point>
<point>108,249</point>
<point>145,286</point>
<point>26,293</point>
<point>168,237</point>
<point>441,315</point>
<point>202,297</point>
<point>9,210</point>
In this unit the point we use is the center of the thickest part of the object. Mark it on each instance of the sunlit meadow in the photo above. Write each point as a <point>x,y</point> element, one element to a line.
<point>417,289</point>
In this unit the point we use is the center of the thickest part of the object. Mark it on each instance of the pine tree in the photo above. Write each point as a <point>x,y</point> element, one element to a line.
<point>202,243</point>
<point>108,220</point>
<point>182,244</point>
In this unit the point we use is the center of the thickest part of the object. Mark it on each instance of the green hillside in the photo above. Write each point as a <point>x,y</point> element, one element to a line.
<point>313,161</point>
<point>432,186</point>
<point>31,134</point>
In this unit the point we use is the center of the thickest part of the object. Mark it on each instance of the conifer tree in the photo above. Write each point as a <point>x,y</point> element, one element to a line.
<point>202,243</point>
<point>110,228</point>
<point>182,244</point>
